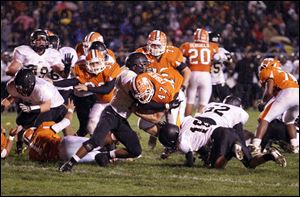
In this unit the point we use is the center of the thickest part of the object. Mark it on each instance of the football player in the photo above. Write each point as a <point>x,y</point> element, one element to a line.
<point>222,58</point>
<point>279,85</point>
<point>68,58</point>
<point>167,60</point>
<point>37,56</point>
<point>224,144</point>
<point>199,57</point>
<point>98,78</point>
<point>39,100</point>
<point>114,118</point>
<point>7,143</point>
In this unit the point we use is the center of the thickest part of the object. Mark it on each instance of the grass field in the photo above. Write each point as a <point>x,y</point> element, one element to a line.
<point>148,175</point>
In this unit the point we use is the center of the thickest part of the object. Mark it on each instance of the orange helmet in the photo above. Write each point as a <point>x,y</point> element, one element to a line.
<point>95,62</point>
<point>267,62</point>
<point>201,35</point>
<point>27,135</point>
<point>143,89</point>
<point>157,42</point>
<point>91,37</point>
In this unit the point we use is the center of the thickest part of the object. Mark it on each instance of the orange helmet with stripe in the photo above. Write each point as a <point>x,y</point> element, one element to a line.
<point>267,62</point>
<point>201,35</point>
<point>90,38</point>
<point>143,89</point>
<point>95,62</point>
<point>157,42</point>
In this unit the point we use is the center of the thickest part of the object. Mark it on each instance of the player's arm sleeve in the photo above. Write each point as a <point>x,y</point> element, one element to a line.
<point>104,89</point>
<point>152,106</point>
<point>66,82</point>
<point>184,144</point>
<point>18,56</point>
<point>244,117</point>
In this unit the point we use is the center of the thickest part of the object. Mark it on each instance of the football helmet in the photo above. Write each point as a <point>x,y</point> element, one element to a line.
<point>39,40</point>
<point>143,89</point>
<point>214,37</point>
<point>137,62</point>
<point>269,62</point>
<point>97,45</point>
<point>24,81</point>
<point>54,41</point>
<point>95,63</point>
<point>157,43</point>
<point>168,134</point>
<point>201,35</point>
<point>88,39</point>
<point>233,100</point>
<point>27,136</point>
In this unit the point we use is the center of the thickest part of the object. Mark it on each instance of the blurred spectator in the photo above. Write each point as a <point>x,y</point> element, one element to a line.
<point>5,60</point>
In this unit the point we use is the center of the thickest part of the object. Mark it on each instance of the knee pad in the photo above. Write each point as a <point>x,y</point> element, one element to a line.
<point>144,125</point>
<point>89,145</point>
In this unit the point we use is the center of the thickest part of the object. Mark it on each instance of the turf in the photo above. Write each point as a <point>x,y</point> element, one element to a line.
<point>148,175</point>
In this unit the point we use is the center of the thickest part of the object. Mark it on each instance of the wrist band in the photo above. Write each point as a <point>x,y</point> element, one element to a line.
<point>167,106</point>
<point>11,138</point>
<point>70,110</point>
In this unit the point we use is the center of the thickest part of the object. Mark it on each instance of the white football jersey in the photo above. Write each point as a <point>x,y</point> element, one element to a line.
<point>26,55</point>
<point>194,134</point>
<point>225,115</point>
<point>122,101</point>
<point>217,75</point>
<point>55,76</point>
<point>43,91</point>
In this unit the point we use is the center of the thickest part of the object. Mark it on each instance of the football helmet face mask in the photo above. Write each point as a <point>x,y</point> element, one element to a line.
<point>233,100</point>
<point>201,35</point>
<point>91,37</point>
<point>137,62</point>
<point>168,134</point>
<point>143,89</point>
<point>39,40</point>
<point>53,39</point>
<point>24,82</point>
<point>157,43</point>
<point>95,62</point>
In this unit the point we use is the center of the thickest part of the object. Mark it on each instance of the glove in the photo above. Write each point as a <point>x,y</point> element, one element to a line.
<point>67,62</point>
<point>25,108</point>
<point>174,104</point>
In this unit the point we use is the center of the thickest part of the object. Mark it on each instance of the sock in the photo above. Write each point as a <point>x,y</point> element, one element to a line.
<point>256,142</point>
<point>294,142</point>
<point>112,154</point>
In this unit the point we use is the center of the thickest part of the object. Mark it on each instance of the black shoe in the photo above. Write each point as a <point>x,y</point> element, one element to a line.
<point>167,152</point>
<point>102,159</point>
<point>66,167</point>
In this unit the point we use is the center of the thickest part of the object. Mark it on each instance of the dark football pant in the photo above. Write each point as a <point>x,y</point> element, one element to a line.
<point>35,119</point>
<point>219,92</point>
<point>119,126</point>
<point>223,140</point>
<point>83,106</point>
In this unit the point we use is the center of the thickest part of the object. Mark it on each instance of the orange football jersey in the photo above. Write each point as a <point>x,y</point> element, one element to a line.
<point>164,90</point>
<point>3,141</point>
<point>173,76</point>
<point>199,55</point>
<point>110,72</point>
<point>44,144</point>
<point>282,79</point>
<point>171,58</point>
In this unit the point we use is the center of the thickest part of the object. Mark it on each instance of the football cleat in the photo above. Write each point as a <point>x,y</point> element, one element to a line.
<point>66,167</point>
<point>102,159</point>
<point>278,157</point>
<point>237,149</point>
<point>295,149</point>
<point>167,152</point>
<point>255,150</point>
